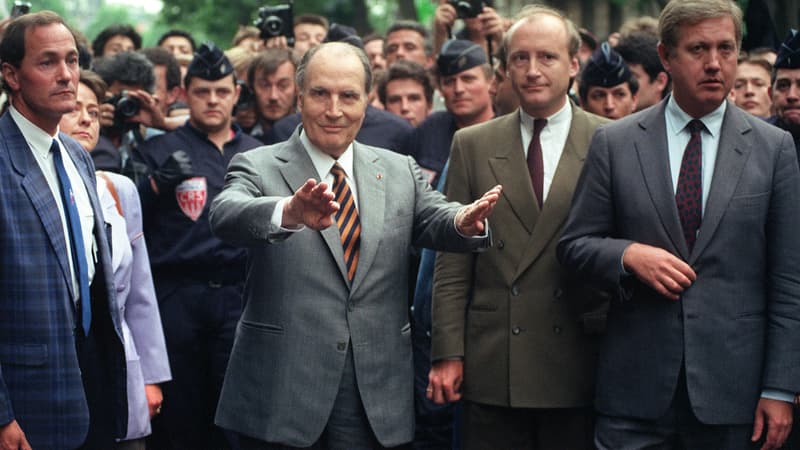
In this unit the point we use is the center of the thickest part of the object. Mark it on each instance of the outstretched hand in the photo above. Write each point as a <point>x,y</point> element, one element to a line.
<point>312,205</point>
<point>470,219</point>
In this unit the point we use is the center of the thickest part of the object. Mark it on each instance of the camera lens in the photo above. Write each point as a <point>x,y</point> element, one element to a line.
<point>273,25</point>
<point>127,107</point>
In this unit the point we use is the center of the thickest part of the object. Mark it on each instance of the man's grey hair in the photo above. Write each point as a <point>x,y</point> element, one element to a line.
<point>300,75</point>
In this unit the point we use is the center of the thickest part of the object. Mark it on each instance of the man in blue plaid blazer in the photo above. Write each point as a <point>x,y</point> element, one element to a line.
<point>61,387</point>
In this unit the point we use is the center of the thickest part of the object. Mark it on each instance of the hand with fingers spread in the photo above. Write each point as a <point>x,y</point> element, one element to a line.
<point>470,220</point>
<point>661,270</point>
<point>776,417</point>
<point>312,205</point>
<point>444,381</point>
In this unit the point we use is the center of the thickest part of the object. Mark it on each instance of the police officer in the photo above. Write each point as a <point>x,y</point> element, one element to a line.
<point>198,278</point>
<point>608,87</point>
<point>785,89</point>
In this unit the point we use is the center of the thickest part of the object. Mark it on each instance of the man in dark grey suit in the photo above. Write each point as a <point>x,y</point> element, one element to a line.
<point>688,212</point>
<point>322,355</point>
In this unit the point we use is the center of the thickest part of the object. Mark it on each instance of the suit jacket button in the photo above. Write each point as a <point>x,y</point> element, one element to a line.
<point>501,244</point>
<point>558,293</point>
<point>515,330</point>
<point>341,346</point>
<point>514,290</point>
<point>557,329</point>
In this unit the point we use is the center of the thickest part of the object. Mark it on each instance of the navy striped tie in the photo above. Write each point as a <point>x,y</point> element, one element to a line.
<point>347,220</point>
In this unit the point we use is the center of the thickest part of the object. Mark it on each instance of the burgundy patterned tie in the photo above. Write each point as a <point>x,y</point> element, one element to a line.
<point>535,162</point>
<point>689,195</point>
<point>347,220</point>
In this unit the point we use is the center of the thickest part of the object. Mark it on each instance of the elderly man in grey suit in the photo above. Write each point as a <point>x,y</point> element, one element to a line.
<point>688,210</point>
<point>322,355</point>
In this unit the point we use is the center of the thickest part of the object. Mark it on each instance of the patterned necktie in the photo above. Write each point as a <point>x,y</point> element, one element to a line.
<point>347,220</point>
<point>689,194</point>
<point>535,162</point>
<point>75,238</point>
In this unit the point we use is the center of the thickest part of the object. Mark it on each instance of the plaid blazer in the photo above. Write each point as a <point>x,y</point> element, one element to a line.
<point>40,378</point>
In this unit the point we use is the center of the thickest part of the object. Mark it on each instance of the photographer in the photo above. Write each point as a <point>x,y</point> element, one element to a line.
<point>308,30</point>
<point>481,23</point>
<point>130,114</point>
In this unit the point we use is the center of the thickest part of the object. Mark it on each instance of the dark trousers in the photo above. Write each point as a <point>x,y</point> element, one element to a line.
<point>679,428</point>
<point>434,423</point>
<point>487,427</point>
<point>199,326</point>
<point>348,427</point>
<point>96,374</point>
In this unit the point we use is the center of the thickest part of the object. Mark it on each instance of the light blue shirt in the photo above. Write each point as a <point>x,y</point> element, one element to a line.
<point>678,137</point>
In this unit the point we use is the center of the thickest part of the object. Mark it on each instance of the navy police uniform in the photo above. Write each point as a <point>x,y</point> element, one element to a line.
<point>198,278</point>
<point>788,58</point>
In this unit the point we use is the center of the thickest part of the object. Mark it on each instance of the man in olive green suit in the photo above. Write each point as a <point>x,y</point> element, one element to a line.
<point>502,321</point>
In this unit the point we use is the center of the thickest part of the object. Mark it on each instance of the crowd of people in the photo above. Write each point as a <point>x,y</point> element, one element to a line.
<point>493,233</point>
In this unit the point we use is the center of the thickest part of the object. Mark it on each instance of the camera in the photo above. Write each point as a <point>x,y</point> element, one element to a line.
<point>125,107</point>
<point>467,9</point>
<point>20,9</point>
<point>274,21</point>
<point>246,97</point>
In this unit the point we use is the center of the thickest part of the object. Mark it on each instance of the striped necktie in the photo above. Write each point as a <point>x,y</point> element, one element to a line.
<point>347,220</point>
<point>75,238</point>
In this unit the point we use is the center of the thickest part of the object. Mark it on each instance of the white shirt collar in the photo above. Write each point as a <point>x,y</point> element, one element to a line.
<point>38,140</point>
<point>678,118</point>
<point>323,162</point>
<point>562,115</point>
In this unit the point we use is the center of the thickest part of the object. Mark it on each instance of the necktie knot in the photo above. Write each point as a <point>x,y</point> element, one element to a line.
<point>538,126</point>
<point>338,173</point>
<point>54,147</point>
<point>695,126</point>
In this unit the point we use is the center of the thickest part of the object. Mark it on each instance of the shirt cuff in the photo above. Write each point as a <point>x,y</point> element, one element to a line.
<point>778,394</point>
<point>483,235</point>
<point>277,218</point>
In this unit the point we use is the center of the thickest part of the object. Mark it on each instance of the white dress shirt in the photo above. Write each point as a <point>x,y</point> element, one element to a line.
<point>39,142</point>
<point>553,138</point>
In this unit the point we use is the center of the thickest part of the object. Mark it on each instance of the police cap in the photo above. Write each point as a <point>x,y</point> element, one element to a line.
<point>605,68</point>
<point>459,55</point>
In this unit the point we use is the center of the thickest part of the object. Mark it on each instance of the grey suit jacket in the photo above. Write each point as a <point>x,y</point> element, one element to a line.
<point>301,312</point>
<point>510,311</point>
<point>737,328</point>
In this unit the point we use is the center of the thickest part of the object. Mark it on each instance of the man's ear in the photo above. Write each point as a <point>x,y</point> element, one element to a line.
<point>10,76</point>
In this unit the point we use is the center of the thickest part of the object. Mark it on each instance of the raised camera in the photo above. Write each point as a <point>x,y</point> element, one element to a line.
<point>247,98</point>
<point>125,107</point>
<point>20,9</point>
<point>274,21</point>
<point>467,9</point>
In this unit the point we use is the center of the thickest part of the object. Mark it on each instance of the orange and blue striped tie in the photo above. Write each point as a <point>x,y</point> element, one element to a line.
<point>347,220</point>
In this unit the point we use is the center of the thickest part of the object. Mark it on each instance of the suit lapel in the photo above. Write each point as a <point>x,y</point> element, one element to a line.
<point>556,207</point>
<point>651,148</point>
<point>38,191</point>
<point>371,207</point>
<point>731,156</point>
<point>298,168</point>
<point>510,169</point>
